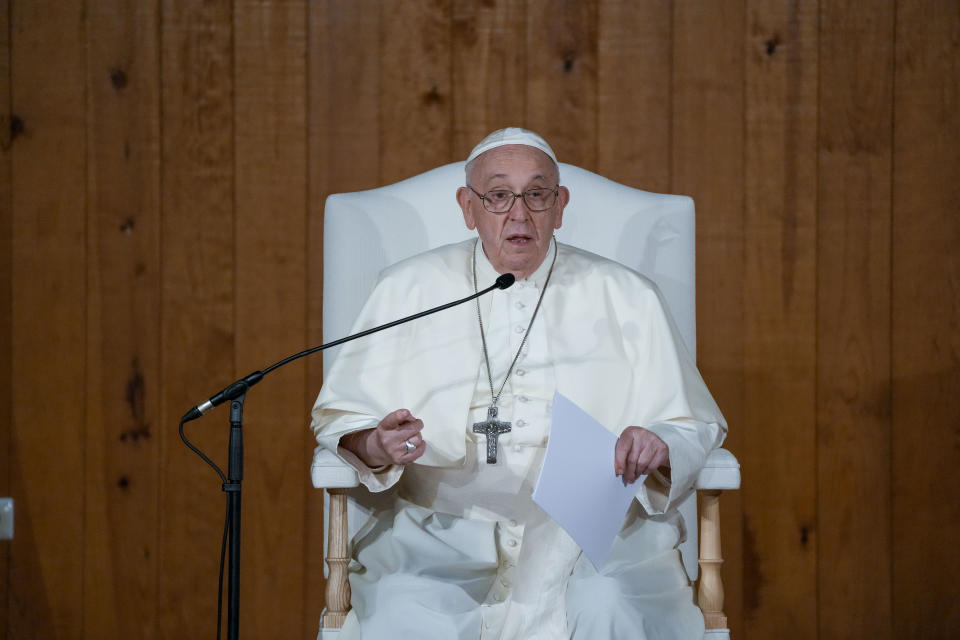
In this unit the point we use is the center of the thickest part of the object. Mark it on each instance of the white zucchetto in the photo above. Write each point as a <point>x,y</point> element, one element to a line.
<point>512,135</point>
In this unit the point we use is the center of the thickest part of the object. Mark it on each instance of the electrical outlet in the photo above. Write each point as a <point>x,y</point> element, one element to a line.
<point>6,518</point>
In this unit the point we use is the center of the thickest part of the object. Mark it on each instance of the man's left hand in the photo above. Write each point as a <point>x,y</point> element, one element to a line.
<point>639,452</point>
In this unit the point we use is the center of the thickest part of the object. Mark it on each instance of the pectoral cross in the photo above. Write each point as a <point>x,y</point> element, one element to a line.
<point>492,428</point>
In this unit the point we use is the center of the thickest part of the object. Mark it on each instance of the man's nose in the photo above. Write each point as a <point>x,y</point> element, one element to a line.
<point>519,210</point>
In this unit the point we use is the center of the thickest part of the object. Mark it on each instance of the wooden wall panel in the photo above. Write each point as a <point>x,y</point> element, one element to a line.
<point>778,442</point>
<point>123,349</point>
<point>152,249</point>
<point>489,74</point>
<point>416,105</point>
<point>48,327</point>
<point>853,320</point>
<point>6,298</point>
<point>561,55</point>
<point>197,302</point>
<point>634,93</point>
<point>926,314</point>
<point>707,164</point>
<point>344,92</point>
<point>270,44</point>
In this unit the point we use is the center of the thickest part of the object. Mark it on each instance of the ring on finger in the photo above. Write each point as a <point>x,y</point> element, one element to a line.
<point>410,446</point>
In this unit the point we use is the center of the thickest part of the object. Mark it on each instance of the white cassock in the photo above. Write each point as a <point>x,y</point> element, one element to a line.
<point>463,552</point>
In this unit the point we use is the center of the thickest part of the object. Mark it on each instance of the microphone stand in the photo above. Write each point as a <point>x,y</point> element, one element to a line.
<point>236,393</point>
<point>232,488</point>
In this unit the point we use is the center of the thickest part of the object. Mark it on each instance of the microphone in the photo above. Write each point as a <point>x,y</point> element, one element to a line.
<point>506,280</point>
<point>241,386</point>
<point>231,392</point>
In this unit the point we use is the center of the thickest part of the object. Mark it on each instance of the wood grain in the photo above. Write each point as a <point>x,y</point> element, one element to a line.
<point>197,302</point>
<point>925,341</point>
<point>489,74</point>
<point>338,560</point>
<point>416,105</point>
<point>270,54</point>
<point>561,54</point>
<point>345,97</point>
<point>48,328</point>
<point>853,320</point>
<point>707,140</point>
<point>710,590</point>
<point>123,348</point>
<point>634,93</point>
<point>778,444</point>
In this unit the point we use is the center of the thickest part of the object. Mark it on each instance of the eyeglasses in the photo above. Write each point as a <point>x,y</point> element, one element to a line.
<point>501,200</point>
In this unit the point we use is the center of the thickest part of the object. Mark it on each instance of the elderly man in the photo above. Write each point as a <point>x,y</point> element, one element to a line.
<point>462,551</point>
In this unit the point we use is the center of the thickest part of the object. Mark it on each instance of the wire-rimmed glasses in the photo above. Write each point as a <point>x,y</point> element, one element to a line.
<point>501,200</point>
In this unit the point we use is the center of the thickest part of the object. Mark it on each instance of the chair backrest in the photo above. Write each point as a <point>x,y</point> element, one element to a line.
<point>366,231</point>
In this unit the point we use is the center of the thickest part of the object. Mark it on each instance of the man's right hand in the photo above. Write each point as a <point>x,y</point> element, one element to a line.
<point>387,443</point>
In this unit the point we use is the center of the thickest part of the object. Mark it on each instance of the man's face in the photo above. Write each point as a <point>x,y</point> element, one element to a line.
<point>516,241</point>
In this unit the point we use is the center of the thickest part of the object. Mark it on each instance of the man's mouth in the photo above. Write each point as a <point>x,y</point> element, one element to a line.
<point>519,239</point>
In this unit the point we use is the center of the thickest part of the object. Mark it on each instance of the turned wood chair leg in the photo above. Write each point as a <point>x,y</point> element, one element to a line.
<point>338,587</point>
<point>710,589</point>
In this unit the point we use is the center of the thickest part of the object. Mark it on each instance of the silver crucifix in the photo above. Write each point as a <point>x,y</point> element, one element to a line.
<point>492,428</point>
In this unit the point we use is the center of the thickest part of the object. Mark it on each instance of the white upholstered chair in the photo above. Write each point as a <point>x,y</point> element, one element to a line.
<point>651,233</point>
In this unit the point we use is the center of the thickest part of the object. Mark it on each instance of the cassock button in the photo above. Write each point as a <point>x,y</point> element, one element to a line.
<point>521,372</point>
<point>520,305</point>
<point>524,399</point>
<point>518,329</point>
<point>521,423</point>
<point>511,542</point>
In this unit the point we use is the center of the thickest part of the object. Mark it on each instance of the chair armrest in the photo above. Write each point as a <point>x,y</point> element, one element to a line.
<point>720,472</point>
<point>330,471</point>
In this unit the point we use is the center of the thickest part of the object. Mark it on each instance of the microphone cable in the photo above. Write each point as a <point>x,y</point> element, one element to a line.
<point>226,524</point>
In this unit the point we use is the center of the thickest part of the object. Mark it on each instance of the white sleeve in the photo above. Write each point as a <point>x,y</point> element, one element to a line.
<point>330,426</point>
<point>689,442</point>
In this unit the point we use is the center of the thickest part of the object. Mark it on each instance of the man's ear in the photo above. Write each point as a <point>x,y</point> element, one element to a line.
<point>562,199</point>
<point>463,199</point>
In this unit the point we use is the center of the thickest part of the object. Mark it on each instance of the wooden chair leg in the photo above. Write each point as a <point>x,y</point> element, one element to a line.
<point>338,587</point>
<point>710,589</point>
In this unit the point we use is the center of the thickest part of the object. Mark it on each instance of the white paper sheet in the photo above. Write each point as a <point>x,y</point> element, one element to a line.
<point>578,486</point>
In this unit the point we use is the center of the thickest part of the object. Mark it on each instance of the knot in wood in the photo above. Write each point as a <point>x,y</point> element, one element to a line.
<point>118,78</point>
<point>433,96</point>
<point>16,125</point>
<point>772,44</point>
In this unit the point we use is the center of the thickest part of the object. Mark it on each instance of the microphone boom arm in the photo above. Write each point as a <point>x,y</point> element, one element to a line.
<point>240,387</point>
